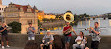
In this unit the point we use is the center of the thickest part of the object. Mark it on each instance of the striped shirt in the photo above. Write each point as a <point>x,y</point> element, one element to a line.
<point>95,37</point>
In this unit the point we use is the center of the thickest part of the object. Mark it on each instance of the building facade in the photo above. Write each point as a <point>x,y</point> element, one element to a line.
<point>23,14</point>
<point>49,16</point>
<point>41,15</point>
<point>2,7</point>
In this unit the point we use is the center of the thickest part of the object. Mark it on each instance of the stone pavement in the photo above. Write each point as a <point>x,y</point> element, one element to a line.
<point>20,41</point>
<point>13,48</point>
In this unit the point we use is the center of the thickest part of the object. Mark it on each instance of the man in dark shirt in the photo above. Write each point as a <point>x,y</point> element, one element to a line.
<point>3,30</point>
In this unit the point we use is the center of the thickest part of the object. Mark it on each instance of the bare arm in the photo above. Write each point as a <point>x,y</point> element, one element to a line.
<point>95,31</point>
<point>86,39</point>
<point>33,30</point>
<point>63,31</point>
<point>2,30</point>
<point>74,32</point>
<point>51,41</point>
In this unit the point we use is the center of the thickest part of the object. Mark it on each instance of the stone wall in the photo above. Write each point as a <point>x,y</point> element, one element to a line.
<point>56,23</point>
<point>20,40</point>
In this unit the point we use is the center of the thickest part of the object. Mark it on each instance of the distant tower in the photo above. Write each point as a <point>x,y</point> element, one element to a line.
<point>0,2</point>
<point>35,8</point>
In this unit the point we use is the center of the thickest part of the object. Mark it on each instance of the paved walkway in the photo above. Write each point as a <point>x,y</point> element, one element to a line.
<point>13,48</point>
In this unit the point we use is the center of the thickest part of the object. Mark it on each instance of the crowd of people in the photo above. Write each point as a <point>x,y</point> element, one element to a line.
<point>81,40</point>
<point>47,41</point>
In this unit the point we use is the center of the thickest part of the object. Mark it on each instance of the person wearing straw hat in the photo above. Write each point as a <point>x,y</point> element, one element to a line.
<point>47,40</point>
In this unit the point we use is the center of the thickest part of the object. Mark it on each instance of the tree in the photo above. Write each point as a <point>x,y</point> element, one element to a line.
<point>59,17</point>
<point>83,16</point>
<point>16,27</point>
<point>39,24</point>
<point>45,19</point>
<point>76,19</point>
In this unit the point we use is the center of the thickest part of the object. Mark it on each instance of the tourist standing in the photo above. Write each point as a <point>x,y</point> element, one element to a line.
<point>31,32</point>
<point>4,35</point>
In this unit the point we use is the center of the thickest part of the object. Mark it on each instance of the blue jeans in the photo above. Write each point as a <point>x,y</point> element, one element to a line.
<point>67,39</point>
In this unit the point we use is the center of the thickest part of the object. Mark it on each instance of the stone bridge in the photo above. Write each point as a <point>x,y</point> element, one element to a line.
<point>20,40</point>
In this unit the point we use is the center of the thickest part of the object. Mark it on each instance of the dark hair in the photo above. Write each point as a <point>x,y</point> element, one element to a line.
<point>96,22</point>
<point>30,23</point>
<point>82,33</point>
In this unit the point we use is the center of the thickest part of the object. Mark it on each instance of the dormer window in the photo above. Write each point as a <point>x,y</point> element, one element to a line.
<point>2,8</point>
<point>0,14</point>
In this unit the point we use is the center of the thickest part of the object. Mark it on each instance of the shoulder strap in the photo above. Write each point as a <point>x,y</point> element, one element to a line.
<point>83,37</point>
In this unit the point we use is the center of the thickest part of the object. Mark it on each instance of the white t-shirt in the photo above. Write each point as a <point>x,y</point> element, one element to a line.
<point>79,38</point>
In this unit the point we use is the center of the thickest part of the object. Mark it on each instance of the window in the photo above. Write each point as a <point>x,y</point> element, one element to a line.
<point>0,13</point>
<point>29,21</point>
<point>2,8</point>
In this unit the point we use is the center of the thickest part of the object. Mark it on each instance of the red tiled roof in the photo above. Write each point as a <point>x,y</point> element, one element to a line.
<point>24,7</point>
<point>32,10</point>
<point>18,6</point>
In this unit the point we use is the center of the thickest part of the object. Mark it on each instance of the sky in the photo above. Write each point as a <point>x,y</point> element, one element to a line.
<point>91,7</point>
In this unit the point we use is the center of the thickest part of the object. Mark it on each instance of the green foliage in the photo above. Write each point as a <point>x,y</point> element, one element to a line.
<point>51,20</point>
<point>45,19</point>
<point>83,16</point>
<point>78,18</point>
<point>59,17</point>
<point>39,24</point>
<point>16,27</point>
<point>109,16</point>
